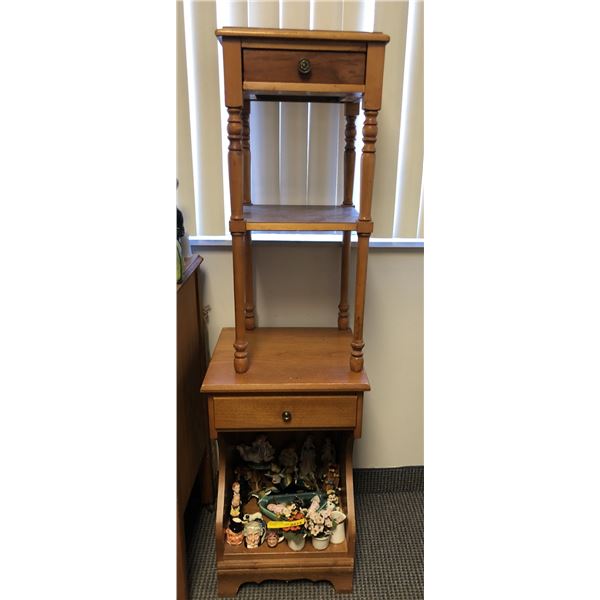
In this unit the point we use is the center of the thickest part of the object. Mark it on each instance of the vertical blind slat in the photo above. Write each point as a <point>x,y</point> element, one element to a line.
<point>206,117</point>
<point>421,224</point>
<point>324,126</point>
<point>355,17</point>
<point>234,14</point>
<point>264,118</point>
<point>391,17</point>
<point>185,173</point>
<point>410,160</point>
<point>293,120</point>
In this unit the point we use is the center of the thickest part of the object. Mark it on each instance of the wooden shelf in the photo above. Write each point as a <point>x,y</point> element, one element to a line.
<point>286,359</point>
<point>269,217</point>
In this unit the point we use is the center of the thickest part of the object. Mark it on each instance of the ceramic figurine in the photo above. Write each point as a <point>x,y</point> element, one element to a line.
<point>273,538</point>
<point>288,458</point>
<point>327,456</point>
<point>276,509</point>
<point>308,454</point>
<point>314,504</point>
<point>259,452</point>
<point>308,463</point>
<point>254,532</point>
<point>236,501</point>
<point>332,478</point>
<point>235,532</point>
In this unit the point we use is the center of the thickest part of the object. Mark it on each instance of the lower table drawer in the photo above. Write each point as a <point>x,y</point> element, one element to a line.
<point>284,412</point>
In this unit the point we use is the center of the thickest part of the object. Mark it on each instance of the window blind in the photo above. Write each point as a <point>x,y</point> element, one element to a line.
<point>297,148</point>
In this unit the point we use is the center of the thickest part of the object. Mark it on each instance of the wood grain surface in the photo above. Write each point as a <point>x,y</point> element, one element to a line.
<point>302,34</point>
<point>290,359</point>
<point>266,412</point>
<point>282,65</point>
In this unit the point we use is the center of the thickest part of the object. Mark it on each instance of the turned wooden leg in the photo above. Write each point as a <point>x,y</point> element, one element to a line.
<point>364,227</point>
<point>356,358</point>
<point>240,361</point>
<point>351,111</point>
<point>247,199</point>
<point>343,305</point>
<point>249,305</point>
<point>237,227</point>
<point>247,195</point>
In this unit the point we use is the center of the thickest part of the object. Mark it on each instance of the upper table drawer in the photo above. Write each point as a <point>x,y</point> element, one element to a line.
<point>304,66</point>
<point>284,412</point>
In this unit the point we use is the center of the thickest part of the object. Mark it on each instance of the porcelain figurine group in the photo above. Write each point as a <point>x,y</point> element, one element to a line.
<point>308,489</point>
<point>263,471</point>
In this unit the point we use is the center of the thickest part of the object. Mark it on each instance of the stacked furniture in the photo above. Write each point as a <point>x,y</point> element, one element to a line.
<point>287,381</point>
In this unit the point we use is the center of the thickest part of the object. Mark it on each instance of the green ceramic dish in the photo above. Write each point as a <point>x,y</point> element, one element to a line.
<point>288,499</point>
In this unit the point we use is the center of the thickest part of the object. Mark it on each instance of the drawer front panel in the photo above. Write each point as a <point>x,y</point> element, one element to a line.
<point>284,412</point>
<point>322,67</point>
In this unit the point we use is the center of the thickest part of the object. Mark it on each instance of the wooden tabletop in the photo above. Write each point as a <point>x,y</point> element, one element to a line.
<point>290,359</point>
<point>305,34</point>
<point>190,264</point>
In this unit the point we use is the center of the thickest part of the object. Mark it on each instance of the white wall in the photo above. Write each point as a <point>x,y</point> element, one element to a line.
<point>298,285</point>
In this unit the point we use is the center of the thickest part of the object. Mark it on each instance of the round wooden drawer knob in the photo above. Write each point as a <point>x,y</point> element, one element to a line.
<point>304,66</point>
<point>286,415</point>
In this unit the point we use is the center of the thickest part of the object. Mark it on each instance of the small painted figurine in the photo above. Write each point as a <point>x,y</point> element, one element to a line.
<point>276,509</point>
<point>254,532</point>
<point>332,478</point>
<point>314,504</point>
<point>308,463</point>
<point>259,452</point>
<point>236,501</point>
<point>235,532</point>
<point>273,538</point>
<point>327,456</point>
<point>288,458</point>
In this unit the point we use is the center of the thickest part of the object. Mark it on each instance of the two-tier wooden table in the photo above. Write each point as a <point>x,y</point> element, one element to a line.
<point>287,382</point>
<point>293,65</point>
<point>285,398</point>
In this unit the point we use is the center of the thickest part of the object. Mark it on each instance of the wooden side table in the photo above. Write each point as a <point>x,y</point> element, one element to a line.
<point>284,398</point>
<point>301,66</point>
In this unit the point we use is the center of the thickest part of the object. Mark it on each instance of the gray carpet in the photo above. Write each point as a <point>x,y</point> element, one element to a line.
<point>389,551</point>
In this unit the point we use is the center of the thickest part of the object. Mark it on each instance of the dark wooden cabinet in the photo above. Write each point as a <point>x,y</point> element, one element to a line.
<point>193,444</point>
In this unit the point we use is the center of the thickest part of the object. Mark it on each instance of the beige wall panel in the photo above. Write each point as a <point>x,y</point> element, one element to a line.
<point>297,285</point>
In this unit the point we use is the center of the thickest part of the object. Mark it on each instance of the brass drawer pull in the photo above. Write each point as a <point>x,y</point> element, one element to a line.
<point>304,66</point>
<point>286,415</point>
